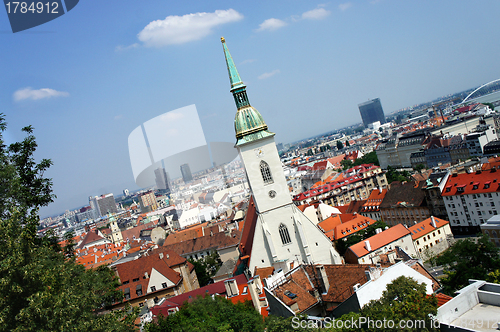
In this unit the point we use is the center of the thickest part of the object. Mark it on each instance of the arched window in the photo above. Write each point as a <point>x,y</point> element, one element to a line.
<point>266,172</point>
<point>285,236</point>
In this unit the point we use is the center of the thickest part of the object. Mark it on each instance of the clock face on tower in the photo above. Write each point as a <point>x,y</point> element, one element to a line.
<point>259,153</point>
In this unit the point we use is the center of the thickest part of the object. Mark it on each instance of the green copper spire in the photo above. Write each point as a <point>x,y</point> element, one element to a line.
<point>234,77</point>
<point>248,123</point>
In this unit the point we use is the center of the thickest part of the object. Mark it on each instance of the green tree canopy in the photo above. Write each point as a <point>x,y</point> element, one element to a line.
<point>403,300</point>
<point>207,314</point>
<point>393,175</point>
<point>206,267</point>
<point>468,259</point>
<point>42,287</point>
<point>369,158</point>
<point>340,146</point>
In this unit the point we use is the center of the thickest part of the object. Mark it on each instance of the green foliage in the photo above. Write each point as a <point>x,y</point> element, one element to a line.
<point>207,314</point>
<point>393,175</point>
<point>309,152</point>
<point>206,267</point>
<point>419,167</point>
<point>346,164</point>
<point>369,158</point>
<point>347,144</point>
<point>42,289</point>
<point>403,299</point>
<point>340,146</point>
<point>467,259</point>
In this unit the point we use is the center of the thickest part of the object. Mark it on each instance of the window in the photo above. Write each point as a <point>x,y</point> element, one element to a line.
<point>492,203</point>
<point>266,172</point>
<point>135,280</point>
<point>126,293</point>
<point>285,236</point>
<point>153,288</point>
<point>138,290</point>
<point>164,285</point>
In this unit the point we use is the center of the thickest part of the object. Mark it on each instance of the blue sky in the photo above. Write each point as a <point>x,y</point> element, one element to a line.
<point>88,78</point>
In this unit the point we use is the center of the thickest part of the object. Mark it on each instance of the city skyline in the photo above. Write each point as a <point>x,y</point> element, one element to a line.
<point>87,79</point>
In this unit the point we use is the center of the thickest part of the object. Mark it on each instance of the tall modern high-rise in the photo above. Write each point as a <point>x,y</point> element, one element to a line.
<point>186,173</point>
<point>103,204</point>
<point>371,111</point>
<point>162,180</point>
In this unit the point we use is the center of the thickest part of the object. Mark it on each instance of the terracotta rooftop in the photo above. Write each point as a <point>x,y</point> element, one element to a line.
<point>353,226</point>
<point>208,242</point>
<point>472,183</point>
<point>136,274</point>
<point>425,227</point>
<point>379,240</point>
<point>90,238</point>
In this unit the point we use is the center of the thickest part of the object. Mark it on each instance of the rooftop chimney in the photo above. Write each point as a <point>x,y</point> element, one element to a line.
<point>161,255</point>
<point>367,245</point>
<point>433,222</point>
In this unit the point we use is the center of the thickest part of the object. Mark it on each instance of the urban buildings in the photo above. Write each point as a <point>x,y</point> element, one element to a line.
<point>186,173</point>
<point>162,180</point>
<point>471,199</point>
<point>371,111</point>
<point>147,201</point>
<point>103,205</point>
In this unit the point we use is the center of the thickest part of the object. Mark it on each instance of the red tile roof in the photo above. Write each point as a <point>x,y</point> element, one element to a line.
<point>353,226</point>
<point>467,180</point>
<point>425,227</point>
<point>379,240</point>
<point>137,269</point>
<point>90,238</point>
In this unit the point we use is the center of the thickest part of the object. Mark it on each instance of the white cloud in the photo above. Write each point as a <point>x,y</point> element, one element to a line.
<point>316,14</point>
<point>267,75</point>
<point>183,29</point>
<point>271,24</point>
<point>171,116</point>
<point>345,6</point>
<point>247,61</point>
<point>120,48</point>
<point>29,93</point>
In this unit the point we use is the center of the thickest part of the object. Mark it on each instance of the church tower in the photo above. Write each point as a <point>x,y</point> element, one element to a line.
<point>284,237</point>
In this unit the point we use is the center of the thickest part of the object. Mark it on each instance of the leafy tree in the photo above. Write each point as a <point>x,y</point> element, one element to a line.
<point>468,259</point>
<point>290,324</point>
<point>346,164</point>
<point>404,299</point>
<point>393,175</point>
<point>369,158</point>
<point>42,289</point>
<point>419,167</point>
<point>207,314</point>
<point>347,144</point>
<point>206,267</point>
<point>340,146</point>
<point>310,152</point>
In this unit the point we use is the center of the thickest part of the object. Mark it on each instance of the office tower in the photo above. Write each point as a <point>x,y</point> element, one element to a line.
<point>162,180</point>
<point>103,205</point>
<point>186,173</point>
<point>371,112</point>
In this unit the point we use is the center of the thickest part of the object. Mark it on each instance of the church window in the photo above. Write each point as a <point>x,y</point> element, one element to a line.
<point>266,172</point>
<point>285,236</point>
